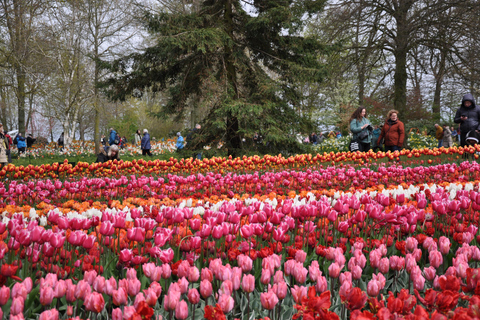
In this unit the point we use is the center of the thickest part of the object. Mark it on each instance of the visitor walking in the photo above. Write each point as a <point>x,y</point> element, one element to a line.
<point>113,137</point>
<point>21,143</point>
<point>467,116</point>
<point>447,137</point>
<point>393,132</point>
<point>4,148</point>
<point>30,141</point>
<point>439,134</point>
<point>60,142</point>
<point>361,128</point>
<point>180,142</point>
<point>146,143</point>
<point>137,138</point>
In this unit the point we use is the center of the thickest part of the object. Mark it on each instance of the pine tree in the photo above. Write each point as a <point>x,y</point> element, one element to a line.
<point>242,59</point>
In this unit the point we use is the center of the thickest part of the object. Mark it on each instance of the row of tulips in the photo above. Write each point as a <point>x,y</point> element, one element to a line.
<point>321,256</point>
<point>222,165</point>
<point>211,185</point>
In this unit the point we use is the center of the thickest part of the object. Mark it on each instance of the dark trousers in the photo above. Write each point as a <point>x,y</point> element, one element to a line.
<point>364,146</point>
<point>391,148</point>
<point>146,152</point>
<point>21,150</point>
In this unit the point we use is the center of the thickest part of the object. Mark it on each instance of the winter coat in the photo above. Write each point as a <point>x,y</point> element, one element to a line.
<point>104,157</point>
<point>472,113</point>
<point>146,141</point>
<point>113,136</point>
<point>30,141</point>
<point>137,138</point>
<point>447,138</point>
<point>180,143</point>
<point>356,128</point>
<point>4,148</point>
<point>439,133</point>
<point>21,142</point>
<point>393,132</point>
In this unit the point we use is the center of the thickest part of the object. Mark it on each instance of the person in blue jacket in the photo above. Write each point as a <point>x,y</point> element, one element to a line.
<point>180,142</point>
<point>145,144</point>
<point>361,128</point>
<point>21,143</point>
<point>113,137</point>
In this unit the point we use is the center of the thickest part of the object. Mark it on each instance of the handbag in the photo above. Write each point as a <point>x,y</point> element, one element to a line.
<point>354,145</point>
<point>362,135</point>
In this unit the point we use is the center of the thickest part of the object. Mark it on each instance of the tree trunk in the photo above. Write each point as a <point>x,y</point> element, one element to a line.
<point>233,139</point>
<point>438,87</point>
<point>21,79</point>
<point>400,53</point>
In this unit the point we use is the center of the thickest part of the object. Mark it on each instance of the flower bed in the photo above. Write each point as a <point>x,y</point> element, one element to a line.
<point>347,242</point>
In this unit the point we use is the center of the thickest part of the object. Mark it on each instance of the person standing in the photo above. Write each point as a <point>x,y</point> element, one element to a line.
<point>10,143</point>
<point>467,116</point>
<point>376,134</point>
<point>180,142</point>
<point>313,138</point>
<point>113,137</point>
<point>145,144</point>
<point>439,134</point>
<point>447,137</point>
<point>137,138</point>
<point>103,140</point>
<point>360,125</point>
<point>30,141</point>
<point>454,134</point>
<point>393,132</point>
<point>61,142</point>
<point>4,148</point>
<point>21,143</point>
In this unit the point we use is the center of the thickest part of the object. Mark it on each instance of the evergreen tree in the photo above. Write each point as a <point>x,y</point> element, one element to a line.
<point>241,59</point>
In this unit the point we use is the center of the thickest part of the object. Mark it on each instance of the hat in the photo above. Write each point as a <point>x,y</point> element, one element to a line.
<point>178,134</point>
<point>473,137</point>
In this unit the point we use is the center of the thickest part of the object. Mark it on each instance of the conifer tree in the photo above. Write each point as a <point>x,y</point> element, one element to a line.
<point>240,58</point>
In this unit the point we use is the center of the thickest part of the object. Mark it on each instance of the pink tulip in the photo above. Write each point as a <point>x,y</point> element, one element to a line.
<point>99,284</point>
<point>119,297</point>
<point>60,289</point>
<point>266,276</point>
<point>300,256</point>
<point>334,270</point>
<point>193,274</point>
<point>17,306</point>
<point>49,315</point>
<point>181,310</point>
<point>138,299</point>
<point>321,285</point>
<point>4,295</point>
<point>117,314</point>
<point>226,303</point>
<point>248,283</point>
<point>373,288</point>
<point>298,293</point>
<point>269,300</point>
<point>245,262</point>
<point>435,258</point>
<point>183,285</point>
<point>282,290</point>
<point>193,296</point>
<point>46,295</point>
<point>94,302</point>
<point>383,265</point>
<point>151,297</point>
<point>171,300</point>
<point>444,245</point>
<point>430,273</point>
<point>206,288</point>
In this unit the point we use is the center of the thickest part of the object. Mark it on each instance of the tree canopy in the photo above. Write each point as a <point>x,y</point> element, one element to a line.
<point>241,60</point>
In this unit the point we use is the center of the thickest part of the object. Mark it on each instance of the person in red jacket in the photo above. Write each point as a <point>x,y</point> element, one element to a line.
<point>393,132</point>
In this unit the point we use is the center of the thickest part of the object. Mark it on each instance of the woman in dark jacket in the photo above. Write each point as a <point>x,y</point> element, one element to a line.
<point>468,116</point>
<point>393,132</point>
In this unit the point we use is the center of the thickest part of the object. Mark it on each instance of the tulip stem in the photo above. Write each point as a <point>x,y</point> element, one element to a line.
<point>248,306</point>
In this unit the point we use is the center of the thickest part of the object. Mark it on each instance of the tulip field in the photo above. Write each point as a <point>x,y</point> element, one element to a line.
<point>327,236</point>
